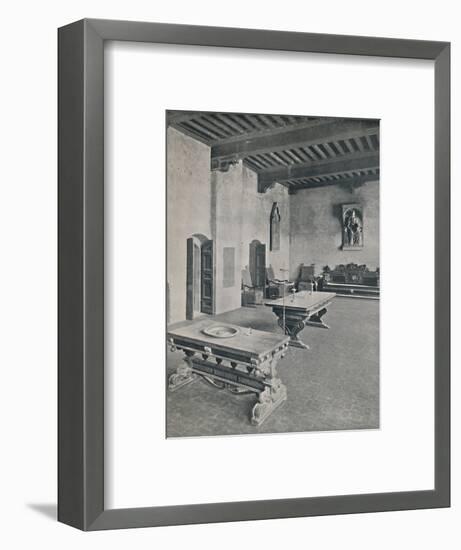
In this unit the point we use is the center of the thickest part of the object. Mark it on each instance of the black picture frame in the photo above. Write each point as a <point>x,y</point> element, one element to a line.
<point>81,274</point>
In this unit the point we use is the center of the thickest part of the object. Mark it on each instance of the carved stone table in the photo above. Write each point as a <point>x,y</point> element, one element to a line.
<point>242,363</point>
<point>299,310</point>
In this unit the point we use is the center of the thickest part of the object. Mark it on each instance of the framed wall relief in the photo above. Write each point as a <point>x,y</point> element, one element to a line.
<point>157,183</point>
<point>352,226</point>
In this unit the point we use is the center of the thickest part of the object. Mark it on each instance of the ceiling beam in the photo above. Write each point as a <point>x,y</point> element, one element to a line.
<point>350,184</point>
<point>176,117</point>
<point>273,130</point>
<point>326,167</point>
<point>300,135</point>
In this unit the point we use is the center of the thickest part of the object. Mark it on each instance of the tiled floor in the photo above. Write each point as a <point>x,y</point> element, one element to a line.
<point>332,386</point>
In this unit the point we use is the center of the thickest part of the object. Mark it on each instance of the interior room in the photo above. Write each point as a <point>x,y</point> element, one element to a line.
<point>265,212</point>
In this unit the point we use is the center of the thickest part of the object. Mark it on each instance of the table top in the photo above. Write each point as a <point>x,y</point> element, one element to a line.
<point>303,300</point>
<point>247,341</point>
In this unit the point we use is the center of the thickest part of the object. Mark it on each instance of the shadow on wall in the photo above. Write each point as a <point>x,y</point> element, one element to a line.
<point>337,212</point>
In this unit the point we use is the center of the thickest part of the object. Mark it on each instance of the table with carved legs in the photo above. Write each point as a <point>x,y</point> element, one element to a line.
<point>302,309</point>
<point>242,363</point>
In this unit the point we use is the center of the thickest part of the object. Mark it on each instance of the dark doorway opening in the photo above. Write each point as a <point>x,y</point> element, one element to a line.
<point>199,279</point>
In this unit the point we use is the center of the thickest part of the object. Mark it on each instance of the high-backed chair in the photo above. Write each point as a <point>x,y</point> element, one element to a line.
<point>276,288</point>
<point>251,295</point>
<point>306,279</point>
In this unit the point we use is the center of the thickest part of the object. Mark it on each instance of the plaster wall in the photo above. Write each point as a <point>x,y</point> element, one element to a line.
<point>315,227</point>
<point>227,229</point>
<point>188,210</point>
<point>241,214</point>
<point>256,210</point>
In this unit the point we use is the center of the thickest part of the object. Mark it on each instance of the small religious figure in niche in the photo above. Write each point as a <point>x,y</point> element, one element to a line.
<point>352,226</point>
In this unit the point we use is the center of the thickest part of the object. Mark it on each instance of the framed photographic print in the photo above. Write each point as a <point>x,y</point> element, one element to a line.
<point>245,327</point>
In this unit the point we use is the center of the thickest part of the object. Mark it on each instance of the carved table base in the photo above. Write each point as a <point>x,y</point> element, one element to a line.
<point>237,375</point>
<point>268,400</point>
<point>293,326</point>
<point>183,376</point>
<point>294,322</point>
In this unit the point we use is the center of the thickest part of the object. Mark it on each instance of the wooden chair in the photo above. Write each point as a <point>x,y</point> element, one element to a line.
<point>306,279</point>
<point>251,295</point>
<point>276,288</point>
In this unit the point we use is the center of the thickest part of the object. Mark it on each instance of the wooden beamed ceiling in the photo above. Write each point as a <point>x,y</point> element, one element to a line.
<point>298,152</point>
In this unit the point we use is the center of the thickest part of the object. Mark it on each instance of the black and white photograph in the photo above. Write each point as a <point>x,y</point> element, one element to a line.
<point>273,273</point>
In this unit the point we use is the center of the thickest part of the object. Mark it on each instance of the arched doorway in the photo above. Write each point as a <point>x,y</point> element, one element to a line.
<point>199,278</point>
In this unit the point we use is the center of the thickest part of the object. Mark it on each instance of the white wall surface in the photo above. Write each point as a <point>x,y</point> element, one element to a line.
<point>28,274</point>
<point>188,212</point>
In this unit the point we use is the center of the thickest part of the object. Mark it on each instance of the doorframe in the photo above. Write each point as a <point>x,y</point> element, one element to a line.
<point>255,243</point>
<point>191,313</point>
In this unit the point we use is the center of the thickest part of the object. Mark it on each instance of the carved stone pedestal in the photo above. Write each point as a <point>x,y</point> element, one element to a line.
<point>293,326</point>
<point>183,376</point>
<point>268,400</point>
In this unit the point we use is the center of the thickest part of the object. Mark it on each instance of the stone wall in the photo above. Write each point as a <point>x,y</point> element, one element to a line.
<point>315,227</point>
<point>223,206</point>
